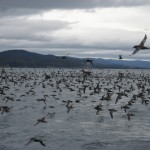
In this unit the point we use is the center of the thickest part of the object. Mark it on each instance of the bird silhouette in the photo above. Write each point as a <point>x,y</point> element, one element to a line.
<point>34,139</point>
<point>140,46</point>
<point>89,61</point>
<point>111,112</point>
<point>120,57</point>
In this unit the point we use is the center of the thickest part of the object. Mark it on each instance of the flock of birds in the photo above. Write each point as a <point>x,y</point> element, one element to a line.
<point>136,47</point>
<point>120,88</point>
<point>123,89</point>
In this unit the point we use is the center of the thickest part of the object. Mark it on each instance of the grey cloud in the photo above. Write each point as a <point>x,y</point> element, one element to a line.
<point>69,4</point>
<point>23,7</point>
<point>31,30</point>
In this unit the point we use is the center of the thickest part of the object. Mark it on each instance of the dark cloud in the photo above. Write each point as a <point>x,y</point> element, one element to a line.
<point>69,4</point>
<point>18,31</point>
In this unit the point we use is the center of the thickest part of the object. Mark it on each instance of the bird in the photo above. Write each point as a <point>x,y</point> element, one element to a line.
<point>129,115</point>
<point>120,57</point>
<point>140,46</point>
<point>125,107</point>
<point>89,61</point>
<point>4,109</point>
<point>69,106</point>
<point>98,108</point>
<point>42,99</point>
<point>43,119</point>
<point>34,139</point>
<point>111,112</point>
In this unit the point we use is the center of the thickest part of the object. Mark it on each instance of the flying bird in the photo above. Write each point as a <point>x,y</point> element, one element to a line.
<point>43,119</point>
<point>34,139</point>
<point>89,61</point>
<point>120,57</point>
<point>140,46</point>
<point>129,116</point>
<point>111,112</point>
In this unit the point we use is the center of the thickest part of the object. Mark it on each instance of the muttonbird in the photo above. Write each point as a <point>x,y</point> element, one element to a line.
<point>89,61</point>
<point>129,116</point>
<point>5,109</point>
<point>125,108</point>
<point>43,119</point>
<point>120,57</point>
<point>111,112</point>
<point>98,108</point>
<point>140,46</point>
<point>69,106</point>
<point>34,139</point>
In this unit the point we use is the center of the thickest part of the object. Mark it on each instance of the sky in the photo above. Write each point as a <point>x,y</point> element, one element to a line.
<point>82,28</point>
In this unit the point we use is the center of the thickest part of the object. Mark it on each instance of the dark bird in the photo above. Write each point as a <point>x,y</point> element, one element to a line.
<point>34,139</point>
<point>140,46</point>
<point>4,109</point>
<point>111,112</point>
<point>129,116</point>
<point>43,119</point>
<point>69,106</point>
<point>89,61</point>
<point>125,107</point>
<point>120,57</point>
<point>98,108</point>
<point>42,99</point>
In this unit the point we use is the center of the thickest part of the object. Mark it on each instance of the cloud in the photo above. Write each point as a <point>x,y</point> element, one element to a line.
<point>69,4</point>
<point>82,27</point>
<point>31,30</point>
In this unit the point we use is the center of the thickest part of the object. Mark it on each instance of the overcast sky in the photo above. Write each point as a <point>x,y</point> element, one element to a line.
<point>82,28</point>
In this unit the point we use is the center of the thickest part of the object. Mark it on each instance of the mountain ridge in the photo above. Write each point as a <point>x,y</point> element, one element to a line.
<point>23,58</point>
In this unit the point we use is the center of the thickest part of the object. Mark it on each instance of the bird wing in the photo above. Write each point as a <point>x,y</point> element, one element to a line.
<point>2,111</point>
<point>36,123</point>
<point>97,112</point>
<point>111,114</point>
<point>136,50</point>
<point>144,40</point>
<point>41,142</point>
<point>118,97</point>
<point>91,63</point>
<point>128,116</point>
<point>28,142</point>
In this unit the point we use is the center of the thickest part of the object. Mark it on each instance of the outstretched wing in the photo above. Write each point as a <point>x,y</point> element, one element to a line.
<point>41,142</point>
<point>136,50</point>
<point>111,114</point>
<point>28,142</point>
<point>91,63</point>
<point>128,116</point>
<point>144,40</point>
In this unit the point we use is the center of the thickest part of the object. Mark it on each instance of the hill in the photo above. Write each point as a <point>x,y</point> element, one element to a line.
<point>23,58</point>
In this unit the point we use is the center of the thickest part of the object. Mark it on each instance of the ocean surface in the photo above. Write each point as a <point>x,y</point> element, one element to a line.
<point>80,128</point>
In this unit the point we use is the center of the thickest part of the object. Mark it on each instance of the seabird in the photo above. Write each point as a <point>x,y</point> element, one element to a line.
<point>140,46</point>
<point>69,106</point>
<point>98,108</point>
<point>120,57</point>
<point>89,61</point>
<point>111,112</point>
<point>43,119</point>
<point>34,139</point>
<point>129,115</point>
